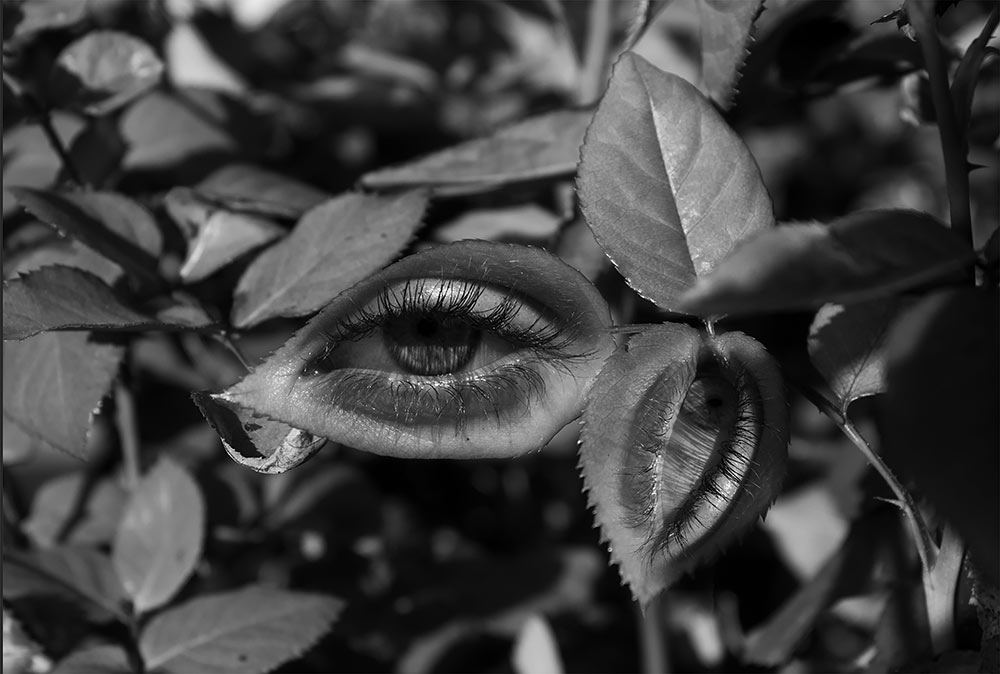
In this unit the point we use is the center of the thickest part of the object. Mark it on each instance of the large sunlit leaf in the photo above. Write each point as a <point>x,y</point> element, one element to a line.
<point>861,256</point>
<point>108,223</point>
<point>102,71</point>
<point>940,414</point>
<point>249,631</point>
<point>333,246</point>
<point>64,298</point>
<point>667,187</point>
<point>81,575</point>
<point>54,382</point>
<point>257,442</point>
<point>160,536</point>
<point>847,346</point>
<point>726,27</point>
<point>541,147</point>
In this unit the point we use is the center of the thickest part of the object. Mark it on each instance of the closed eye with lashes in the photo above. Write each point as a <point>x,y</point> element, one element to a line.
<point>473,349</point>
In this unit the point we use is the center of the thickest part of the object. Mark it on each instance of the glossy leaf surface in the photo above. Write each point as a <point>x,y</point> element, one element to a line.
<point>667,187</point>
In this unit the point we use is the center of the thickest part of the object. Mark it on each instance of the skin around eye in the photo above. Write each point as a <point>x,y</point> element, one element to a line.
<point>473,349</point>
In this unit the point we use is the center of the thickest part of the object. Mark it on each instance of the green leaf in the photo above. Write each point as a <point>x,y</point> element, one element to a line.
<point>84,514</point>
<point>159,539</point>
<point>250,188</point>
<point>250,631</point>
<point>862,256</point>
<point>216,236</point>
<point>333,246</point>
<point>81,575</point>
<point>939,418</point>
<point>256,441</point>
<point>54,382</point>
<point>64,298</point>
<point>542,147</point>
<point>667,187</point>
<point>102,71</point>
<point>108,223</point>
<point>726,26</point>
<point>95,660</point>
<point>847,346</point>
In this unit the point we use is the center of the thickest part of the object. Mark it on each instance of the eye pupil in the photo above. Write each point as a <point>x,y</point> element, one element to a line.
<point>430,345</point>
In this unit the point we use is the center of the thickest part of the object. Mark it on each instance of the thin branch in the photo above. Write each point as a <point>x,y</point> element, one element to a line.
<point>227,341</point>
<point>128,433</point>
<point>940,587</point>
<point>921,534</point>
<point>595,57</point>
<point>953,144</point>
<point>652,637</point>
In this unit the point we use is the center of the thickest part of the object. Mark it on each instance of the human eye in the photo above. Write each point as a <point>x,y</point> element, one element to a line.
<point>473,349</point>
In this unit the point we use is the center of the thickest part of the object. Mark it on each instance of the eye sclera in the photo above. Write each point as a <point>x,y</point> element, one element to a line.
<point>278,390</point>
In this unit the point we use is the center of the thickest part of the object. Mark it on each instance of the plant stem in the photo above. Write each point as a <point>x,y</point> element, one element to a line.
<point>940,587</point>
<point>921,534</point>
<point>227,341</point>
<point>50,132</point>
<point>652,637</point>
<point>128,433</point>
<point>596,55</point>
<point>953,144</point>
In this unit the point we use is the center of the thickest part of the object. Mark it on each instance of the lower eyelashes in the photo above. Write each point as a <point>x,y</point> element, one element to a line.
<point>437,404</point>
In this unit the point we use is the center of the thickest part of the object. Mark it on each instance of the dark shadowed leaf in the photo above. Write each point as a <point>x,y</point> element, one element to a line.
<point>54,382</point>
<point>250,631</point>
<point>81,575</point>
<point>216,236</point>
<point>96,511</point>
<point>102,71</point>
<point>940,413</point>
<point>97,151</point>
<point>245,187</point>
<point>64,298</point>
<point>667,187</point>
<point>862,256</point>
<point>256,441</point>
<point>159,540</point>
<point>577,247</point>
<point>725,37</point>
<point>110,224</point>
<point>847,346</point>
<point>528,224</point>
<point>546,146</point>
<point>95,660</point>
<point>333,246</point>
<point>42,15</point>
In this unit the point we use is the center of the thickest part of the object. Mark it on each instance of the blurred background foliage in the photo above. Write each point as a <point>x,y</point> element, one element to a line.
<point>441,562</point>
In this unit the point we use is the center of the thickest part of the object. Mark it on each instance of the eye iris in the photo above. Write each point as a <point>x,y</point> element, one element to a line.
<point>430,345</point>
